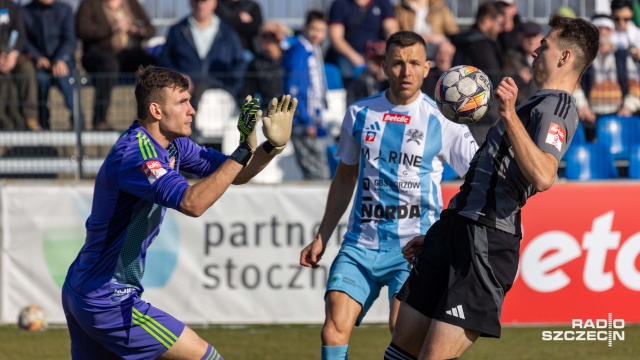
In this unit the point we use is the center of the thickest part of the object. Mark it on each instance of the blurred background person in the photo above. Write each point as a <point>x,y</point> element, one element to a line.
<point>517,62</point>
<point>17,74</point>
<point>51,45</point>
<point>443,62</point>
<point>512,33</point>
<point>626,34</point>
<point>305,80</point>
<point>264,77</point>
<point>611,85</point>
<point>112,34</point>
<point>352,23</point>
<point>479,47</point>
<point>371,80</point>
<point>207,50</point>
<point>432,19</point>
<point>245,17</point>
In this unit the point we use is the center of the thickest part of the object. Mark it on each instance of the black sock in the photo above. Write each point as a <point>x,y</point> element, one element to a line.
<point>395,353</point>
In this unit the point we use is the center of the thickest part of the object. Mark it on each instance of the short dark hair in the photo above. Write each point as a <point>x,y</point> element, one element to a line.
<point>620,4</point>
<point>490,8</point>
<point>150,82</point>
<point>581,36</point>
<point>404,39</point>
<point>313,15</point>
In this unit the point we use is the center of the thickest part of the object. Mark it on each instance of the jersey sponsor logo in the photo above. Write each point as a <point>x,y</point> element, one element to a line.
<point>555,136</point>
<point>396,118</point>
<point>394,157</point>
<point>378,212</point>
<point>415,135</point>
<point>153,170</point>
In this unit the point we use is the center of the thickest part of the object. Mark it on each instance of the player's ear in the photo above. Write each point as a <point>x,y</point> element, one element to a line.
<point>427,67</point>
<point>566,56</point>
<point>383,64</point>
<point>155,111</point>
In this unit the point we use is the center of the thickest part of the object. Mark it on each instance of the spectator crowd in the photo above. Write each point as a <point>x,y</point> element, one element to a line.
<point>228,45</point>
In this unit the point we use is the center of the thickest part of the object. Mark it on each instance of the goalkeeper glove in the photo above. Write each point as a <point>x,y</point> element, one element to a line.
<point>277,124</point>
<point>249,115</point>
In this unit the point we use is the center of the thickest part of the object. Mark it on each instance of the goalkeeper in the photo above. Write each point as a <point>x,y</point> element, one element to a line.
<point>139,179</point>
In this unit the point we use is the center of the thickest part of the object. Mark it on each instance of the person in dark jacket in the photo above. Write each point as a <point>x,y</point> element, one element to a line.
<point>51,44</point>
<point>18,108</point>
<point>246,18</point>
<point>264,77</point>
<point>205,49</point>
<point>112,32</point>
<point>479,47</point>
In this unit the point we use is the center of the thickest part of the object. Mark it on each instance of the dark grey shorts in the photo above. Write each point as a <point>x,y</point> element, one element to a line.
<point>463,273</point>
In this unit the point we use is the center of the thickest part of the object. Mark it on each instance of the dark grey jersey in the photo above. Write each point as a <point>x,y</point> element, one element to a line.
<point>494,188</point>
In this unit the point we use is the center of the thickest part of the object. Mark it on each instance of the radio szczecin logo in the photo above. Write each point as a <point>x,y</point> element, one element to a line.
<point>589,330</point>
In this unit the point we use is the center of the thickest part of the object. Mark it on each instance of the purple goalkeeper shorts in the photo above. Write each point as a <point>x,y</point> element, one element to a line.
<point>132,329</point>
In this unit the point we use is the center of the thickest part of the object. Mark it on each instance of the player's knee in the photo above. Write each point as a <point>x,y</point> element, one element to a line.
<point>333,334</point>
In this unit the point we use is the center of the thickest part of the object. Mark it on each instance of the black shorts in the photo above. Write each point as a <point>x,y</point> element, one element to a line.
<point>463,273</point>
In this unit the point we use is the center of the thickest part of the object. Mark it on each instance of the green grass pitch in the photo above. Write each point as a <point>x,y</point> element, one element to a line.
<point>271,342</point>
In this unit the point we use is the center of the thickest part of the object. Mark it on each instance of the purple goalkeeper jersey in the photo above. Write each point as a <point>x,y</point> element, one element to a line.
<point>138,180</point>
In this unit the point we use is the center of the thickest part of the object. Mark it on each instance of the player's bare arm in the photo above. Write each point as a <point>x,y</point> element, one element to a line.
<point>538,167</point>
<point>338,200</point>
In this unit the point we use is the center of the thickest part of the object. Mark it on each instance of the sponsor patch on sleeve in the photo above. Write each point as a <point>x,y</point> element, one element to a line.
<point>153,170</point>
<point>556,136</point>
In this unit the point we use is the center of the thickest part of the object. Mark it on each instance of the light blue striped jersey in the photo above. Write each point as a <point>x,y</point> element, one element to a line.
<point>400,151</point>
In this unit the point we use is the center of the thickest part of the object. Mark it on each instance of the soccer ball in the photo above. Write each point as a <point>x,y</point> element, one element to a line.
<point>463,94</point>
<point>32,318</point>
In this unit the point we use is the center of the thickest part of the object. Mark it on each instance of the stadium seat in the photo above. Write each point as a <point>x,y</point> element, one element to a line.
<point>589,162</point>
<point>448,173</point>
<point>634,162</point>
<point>579,137</point>
<point>334,80</point>
<point>337,106</point>
<point>332,159</point>
<point>216,111</point>
<point>618,135</point>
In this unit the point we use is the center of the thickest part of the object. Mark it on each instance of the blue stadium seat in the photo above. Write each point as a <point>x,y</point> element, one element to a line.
<point>589,162</point>
<point>618,135</point>
<point>448,173</point>
<point>579,137</point>
<point>634,162</point>
<point>334,79</point>
<point>332,159</point>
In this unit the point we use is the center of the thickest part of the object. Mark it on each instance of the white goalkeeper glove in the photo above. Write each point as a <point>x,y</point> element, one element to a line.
<point>276,126</point>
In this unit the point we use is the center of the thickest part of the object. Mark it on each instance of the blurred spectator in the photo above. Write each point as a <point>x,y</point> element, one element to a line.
<point>372,80</point>
<point>264,77</point>
<point>305,80</point>
<point>626,34</point>
<point>207,50</point>
<point>517,62</point>
<point>18,92</point>
<point>112,32</point>
<point>245,17</point>
<point>443,62</point>
<point>611,85</point>
<point>352,24</point>
<point>512,33</point>
<point>479,47</point>
<point>51,45</point>
<point>432,19</point>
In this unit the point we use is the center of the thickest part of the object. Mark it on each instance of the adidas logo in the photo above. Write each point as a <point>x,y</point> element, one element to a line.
<point>456,311</point>
<point>374,127</point>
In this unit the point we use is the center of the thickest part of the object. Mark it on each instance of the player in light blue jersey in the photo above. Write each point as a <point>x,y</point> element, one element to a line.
<point>392,150</point>
<point>139,179</point>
